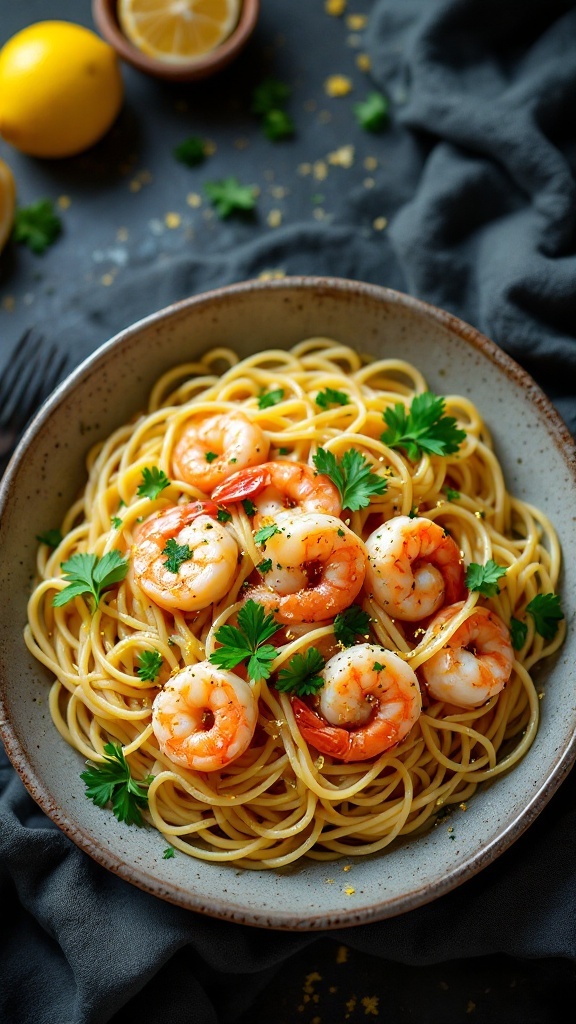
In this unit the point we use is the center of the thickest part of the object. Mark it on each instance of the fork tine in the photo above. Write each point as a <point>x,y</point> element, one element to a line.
<point>23,356</point>
<point>35,391</point>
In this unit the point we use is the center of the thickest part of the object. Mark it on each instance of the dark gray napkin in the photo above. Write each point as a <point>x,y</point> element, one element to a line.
<point>480,198</point>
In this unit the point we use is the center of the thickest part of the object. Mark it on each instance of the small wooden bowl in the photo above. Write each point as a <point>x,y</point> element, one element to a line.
<point>106,20</point>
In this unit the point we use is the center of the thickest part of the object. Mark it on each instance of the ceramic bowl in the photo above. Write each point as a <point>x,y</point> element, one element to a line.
<point>106,19</point>
<point>46,473</point>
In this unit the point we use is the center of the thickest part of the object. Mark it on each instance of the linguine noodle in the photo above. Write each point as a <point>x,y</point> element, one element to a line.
<point>281,800</point>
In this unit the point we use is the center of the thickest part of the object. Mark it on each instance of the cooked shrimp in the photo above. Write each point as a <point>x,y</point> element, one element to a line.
<point>370,700</point>
<point>278,486</point>
<point>209,450</point>
<point>199,572</point>
<point>476,662</point>
<point>204,717</point>
<point>414,567</point>
<point>318,567</point>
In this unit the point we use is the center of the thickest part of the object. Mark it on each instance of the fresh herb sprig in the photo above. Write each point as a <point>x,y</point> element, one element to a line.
<point>177,554</point>
<point>372,113</point>
<point>352,475</point>
<point>88,574</point>
<point>37,226</point>
<point>546,613</point>
<point>229,196</point>
<point>51,538</point>
<point>301,675</point>
<point>349,624</point>
<point>247,642</point>
<point>270,398</point>
<point>154,481</point>
<point>329,396</point>
<point>149,665</point>
<point>111,782</point>
<point>484,578</point>
<point>423,429</point>
<point>269,102</point>
<point>191,151</point>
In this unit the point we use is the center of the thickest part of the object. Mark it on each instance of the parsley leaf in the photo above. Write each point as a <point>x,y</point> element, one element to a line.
<point>331,397</point>
<point>111,782</point>
<point>249,507</point>
<point>277,124</point>
<point>88,574</point>
<point>424,428</point>
<point>116,522</point>
<point>223,516</point>
<point>191,151</point>
<point>264,533</point>
<point>301,675</point>
<point>228,196</point>
<point>52,538</point>
<point>169,853</point>
<point>211,456</point>
<point>372,113</point>
<point>177,554</point>
<point>247,641</point>
<point>37,226</point>
<point>484,578</point>
<point>149,665</point>
<point>264,566</point>
<point>271,94</point>
<point>518,631</point>
<point>349,624</point>
<point>270,398</point>
<point>452,495</point>
<point>154,481</point>
<point>546,611</point>
<point>352,475</point>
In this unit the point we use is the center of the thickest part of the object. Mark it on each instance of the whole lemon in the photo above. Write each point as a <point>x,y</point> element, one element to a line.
<point>7,203</point>
<point>60,89</point>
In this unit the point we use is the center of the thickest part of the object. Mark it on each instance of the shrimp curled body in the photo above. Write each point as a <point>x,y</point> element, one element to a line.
<point>476,662</point>
<point>208,566</point>
<point>414,567</point>
<point>204,717</point>
<point>369,702</point>
<point>279,486</point>
<point>210,450</point>
<point>317,568</point>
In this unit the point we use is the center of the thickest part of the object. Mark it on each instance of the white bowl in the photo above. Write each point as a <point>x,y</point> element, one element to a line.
<point>47,471</point>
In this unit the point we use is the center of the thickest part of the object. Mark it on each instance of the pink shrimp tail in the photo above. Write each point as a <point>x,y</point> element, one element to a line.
<point>447,559</point>
<point>346,745</point>
<point>242,484</point>
<point>200,508</point>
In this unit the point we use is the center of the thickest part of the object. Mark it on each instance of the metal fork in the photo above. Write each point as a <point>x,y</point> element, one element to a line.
<point>33,372</point>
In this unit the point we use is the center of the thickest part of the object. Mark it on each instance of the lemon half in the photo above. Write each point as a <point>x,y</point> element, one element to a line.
<point>60,89</point>
<point>178,31</point>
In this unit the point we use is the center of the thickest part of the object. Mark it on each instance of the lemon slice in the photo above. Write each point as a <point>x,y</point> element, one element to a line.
<point>7,203</point>
<point>178,31</point>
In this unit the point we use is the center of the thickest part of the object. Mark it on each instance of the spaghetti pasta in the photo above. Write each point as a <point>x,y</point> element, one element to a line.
<point>286,794</point>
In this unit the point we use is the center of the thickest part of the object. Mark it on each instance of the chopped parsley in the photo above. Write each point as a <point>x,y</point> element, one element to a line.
<point>518,633</point>
<point>229,196</point>
<point>177,554</point>
<point>452,495</point>
<point>283,451</point>
<point>223,516</point>
<point>154,481</point>
<point>372,113</point>
<point>52,538</point>
<point>378,667</point>
<point>269,102</point>
<point>247,641</point>
<point>211,456</point>
<point>264,533</point>
<point>277,124</point>
<point>484,578</point>
<point>249,507</point>
<point>546,611</point>
<point>149,665</point>
<point>37,226</point>
<point>352,476</point>
<point>349,624</point>
<point>111,782</point>
<point>169,853</point>
<point>270,398</point>
<point>88,574</point>
<point>329,396</point>
<point>116,522</point>
<point>264,566</point>
<point>191,151</point>
<point>424,429</point>
<point>301,676</point>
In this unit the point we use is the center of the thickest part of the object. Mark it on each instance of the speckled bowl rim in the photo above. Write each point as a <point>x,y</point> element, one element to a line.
<point>267,917</point>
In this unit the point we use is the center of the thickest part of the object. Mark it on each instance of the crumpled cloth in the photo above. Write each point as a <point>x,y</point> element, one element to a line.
<point>483,223</point>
